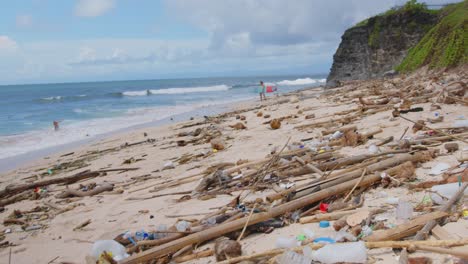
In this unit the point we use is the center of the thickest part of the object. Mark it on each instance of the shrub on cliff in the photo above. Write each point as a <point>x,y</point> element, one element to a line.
<point>444,45</point>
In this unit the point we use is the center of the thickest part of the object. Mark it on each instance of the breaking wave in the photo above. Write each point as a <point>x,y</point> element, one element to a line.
<point>301,81</point>
<point>201,89</point>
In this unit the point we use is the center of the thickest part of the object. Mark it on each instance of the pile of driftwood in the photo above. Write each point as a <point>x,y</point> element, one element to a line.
<point>302,176</point>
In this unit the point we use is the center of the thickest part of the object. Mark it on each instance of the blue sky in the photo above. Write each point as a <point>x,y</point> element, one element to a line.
<point>90,40</point>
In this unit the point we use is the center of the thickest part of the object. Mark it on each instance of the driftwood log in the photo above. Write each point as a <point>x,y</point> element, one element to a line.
<point>10,189</point>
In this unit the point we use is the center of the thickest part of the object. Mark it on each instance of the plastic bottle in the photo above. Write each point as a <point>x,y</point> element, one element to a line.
<point>290,257</point>
<point>366,231</point>
<point>287,242</point>
<point>404,210</point>
<point>336,135</point>
<point>160,235</point>
<point>141,235</point>
<point>353,252</point>
<point>373,149</point>
<point>182,226</point>
<point>446,190</point>
<point>211,221</point>
<point>128,235</point>
<point>309,233</point>
<point>117,251</point>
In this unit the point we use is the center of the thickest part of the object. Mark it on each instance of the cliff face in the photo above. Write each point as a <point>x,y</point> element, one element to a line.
<point>378,45</point>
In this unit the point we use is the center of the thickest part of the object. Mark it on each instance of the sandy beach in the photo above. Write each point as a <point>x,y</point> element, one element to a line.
<point>154,171</point>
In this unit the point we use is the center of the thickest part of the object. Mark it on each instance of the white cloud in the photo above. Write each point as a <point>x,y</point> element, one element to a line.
<point>7,44</point>
<point>93,8</point>
<point>24,21</point>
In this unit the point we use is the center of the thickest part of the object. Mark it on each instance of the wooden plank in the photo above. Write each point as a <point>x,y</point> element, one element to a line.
<point>441,233</point>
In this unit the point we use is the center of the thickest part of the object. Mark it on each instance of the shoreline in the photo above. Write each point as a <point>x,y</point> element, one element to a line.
<point>9,164</point>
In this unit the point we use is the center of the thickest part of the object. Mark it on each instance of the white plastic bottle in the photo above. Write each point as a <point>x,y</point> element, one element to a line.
<point>354,252</point>
<point>446,190</point>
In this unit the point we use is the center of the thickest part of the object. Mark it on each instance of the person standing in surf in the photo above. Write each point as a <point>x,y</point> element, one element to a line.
<point>261,91</point>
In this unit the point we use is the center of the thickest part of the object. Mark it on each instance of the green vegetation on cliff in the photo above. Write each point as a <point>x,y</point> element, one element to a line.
<point>445,44</point>
<point>412,6</point>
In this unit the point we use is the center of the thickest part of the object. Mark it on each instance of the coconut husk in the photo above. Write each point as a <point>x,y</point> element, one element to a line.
<point>218,144</point>
<point>259,114</point>
<point>404,171</point>
<point>238,126</point>
<point>419,125</point>
<point>350,138</point>
<point>225,248</point>
<point>275,124</point>
<point>242,117</point>
<point>451,147</point>
<point>405,105</point>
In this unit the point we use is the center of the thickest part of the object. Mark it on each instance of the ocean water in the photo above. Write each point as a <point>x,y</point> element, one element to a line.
<point>86,110</point>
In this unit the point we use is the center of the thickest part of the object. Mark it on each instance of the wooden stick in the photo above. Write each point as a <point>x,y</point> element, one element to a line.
<point>333,216</point>
<point>309,166</point>
<point>463,253</point>
<point>80,226</point>
<point>198,255</point>
<point>68,180</point>
<point>354,188</point>
<point>384,141</point>
<point>404,132</point>
<point>246,223</point>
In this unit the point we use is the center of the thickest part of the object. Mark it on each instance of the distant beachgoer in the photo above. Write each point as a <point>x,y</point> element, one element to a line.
<point>56,125</point>
<point>261,91</point>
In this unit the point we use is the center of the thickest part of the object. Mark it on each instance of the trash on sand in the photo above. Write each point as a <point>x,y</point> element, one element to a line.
<point>116,250</point>
<point>439,168</point>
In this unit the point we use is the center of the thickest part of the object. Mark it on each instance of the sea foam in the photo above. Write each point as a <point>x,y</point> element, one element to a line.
<point>185,90</point>
<point>301,81</point>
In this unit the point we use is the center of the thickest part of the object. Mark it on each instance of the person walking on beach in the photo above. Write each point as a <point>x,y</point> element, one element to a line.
<point>261,91</point>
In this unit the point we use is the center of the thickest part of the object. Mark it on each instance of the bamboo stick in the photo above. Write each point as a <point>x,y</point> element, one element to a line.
<point>461,253</point>
<point>311,167</point>
<point>333,216</point>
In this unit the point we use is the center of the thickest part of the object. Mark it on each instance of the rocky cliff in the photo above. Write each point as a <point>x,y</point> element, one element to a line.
<point>379,44</point>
